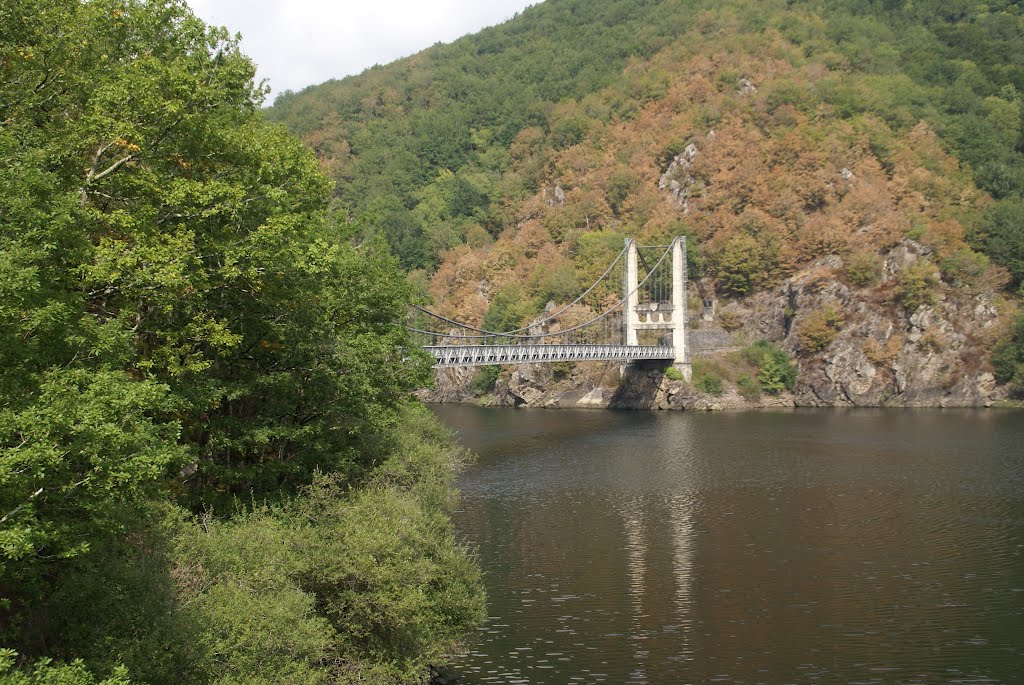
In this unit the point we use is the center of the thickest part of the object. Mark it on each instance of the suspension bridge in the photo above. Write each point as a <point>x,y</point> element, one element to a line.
<point>634,311</point>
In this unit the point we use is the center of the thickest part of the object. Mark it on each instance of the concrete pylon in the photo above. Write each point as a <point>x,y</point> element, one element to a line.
<point>681,362</point>
<point>631,295</point>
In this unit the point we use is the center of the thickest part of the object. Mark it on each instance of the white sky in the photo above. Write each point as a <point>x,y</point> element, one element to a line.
<point>296,43</point>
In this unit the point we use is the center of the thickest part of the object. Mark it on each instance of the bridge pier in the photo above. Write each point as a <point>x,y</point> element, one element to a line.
<point>632,317</point>
<point>677,323</point>
<point>682,360</point>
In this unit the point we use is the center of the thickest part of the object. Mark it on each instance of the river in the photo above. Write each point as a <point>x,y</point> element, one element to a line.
<point>807,546</point>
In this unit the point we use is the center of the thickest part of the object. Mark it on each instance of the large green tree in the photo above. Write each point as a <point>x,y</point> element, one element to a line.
<point>181,320</point>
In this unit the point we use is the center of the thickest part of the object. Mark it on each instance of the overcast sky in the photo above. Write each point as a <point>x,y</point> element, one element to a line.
<point>296,43</point>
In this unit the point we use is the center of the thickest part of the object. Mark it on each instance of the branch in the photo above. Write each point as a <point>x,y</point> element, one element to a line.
<point>93,176</point>
<point>14,511</point>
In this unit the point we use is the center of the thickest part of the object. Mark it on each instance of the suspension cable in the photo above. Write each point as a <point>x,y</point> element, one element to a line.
<point>537,323</point>
<point>513,334</point>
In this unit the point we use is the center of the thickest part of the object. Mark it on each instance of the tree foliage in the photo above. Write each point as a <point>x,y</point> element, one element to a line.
<point>1008,357</point>
<point>819,328</point>
<point>1001,235</point>
<point>915,286</point>
<point>863,120</point>
<point>186,324</point>
<point>775,371</point>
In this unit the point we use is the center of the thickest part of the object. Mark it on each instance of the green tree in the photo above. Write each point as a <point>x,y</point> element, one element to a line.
<point>181,318</point>
<point>1008,358</point>
<point>741,263</point>
<point>775,371</point>
<point>1001,235</point>
<point>509,310</point>
<point>915,286</point>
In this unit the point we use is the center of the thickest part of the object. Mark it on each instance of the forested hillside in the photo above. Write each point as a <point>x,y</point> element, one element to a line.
<point>202,476</point>
<point>873,146</point>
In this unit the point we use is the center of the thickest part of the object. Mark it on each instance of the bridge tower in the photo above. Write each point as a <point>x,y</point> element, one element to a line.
<point>655,315</point>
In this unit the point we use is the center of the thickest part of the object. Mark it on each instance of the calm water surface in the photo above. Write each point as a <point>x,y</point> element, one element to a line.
<point>772,547</point>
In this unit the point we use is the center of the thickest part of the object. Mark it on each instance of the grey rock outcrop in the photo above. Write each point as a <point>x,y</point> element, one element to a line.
<point>677,179</point>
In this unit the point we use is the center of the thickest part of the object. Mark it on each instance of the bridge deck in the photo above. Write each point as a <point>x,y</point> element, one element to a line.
<point>483,355</point>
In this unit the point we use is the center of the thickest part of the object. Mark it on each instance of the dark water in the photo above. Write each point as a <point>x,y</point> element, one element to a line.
<point>774,547</point>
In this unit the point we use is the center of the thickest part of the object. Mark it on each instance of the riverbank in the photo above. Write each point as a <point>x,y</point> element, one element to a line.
<point>607,385</point>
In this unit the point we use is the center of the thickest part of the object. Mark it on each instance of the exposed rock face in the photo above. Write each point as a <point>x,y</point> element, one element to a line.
<point>559,385</point>
<point>598,385</point>
<point>883,355</point>
<point>450,385</point>
<point>677,179</point>
<point>557,196</point>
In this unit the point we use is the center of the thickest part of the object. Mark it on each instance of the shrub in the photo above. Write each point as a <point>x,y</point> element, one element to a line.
<point>916,231</point>
<point>729,319</point>
<point>485,378</point>
<point>777,374</point>
<point>775,371</point>
<point>510,309</point>
<point>673,374</point>
<point>621,183</point>
<point>739,265</point>
<point>1001,235</point>
<point>965,265</point>
<point>932,341</point>
<point>569,131</point>
<point>712,385</point>
<point>883,354</point>
<point>863,269</point>
<point>562,370</point>
<point>669,152</point>
<point>915,285</point>
<point>749,387</point>
<point>820,328</point>
<point>706,380</point>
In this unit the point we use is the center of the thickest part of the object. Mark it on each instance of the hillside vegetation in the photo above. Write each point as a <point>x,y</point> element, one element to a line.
<point>505,169</point>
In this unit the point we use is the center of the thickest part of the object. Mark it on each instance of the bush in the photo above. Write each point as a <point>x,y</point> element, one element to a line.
<point>740,265</point>
<point>775,371</point>
<point>749,387</point>
<point>712,385</point>
<point>621,183</point>
<point>863,269</point>
<point>485,378</point>
<point>1001,235</point>
<point>706,380</point>
<point>49,672</point>
<point>510,309</point>
<point>915,285</point>
<point>820,328</point>
<point>673,374</point>
<point>670,150</point>
<point>729,319</point>
<point>569,131</point>
<point>965,265</point>
<point>342,585</point>
<point>562,370</point>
